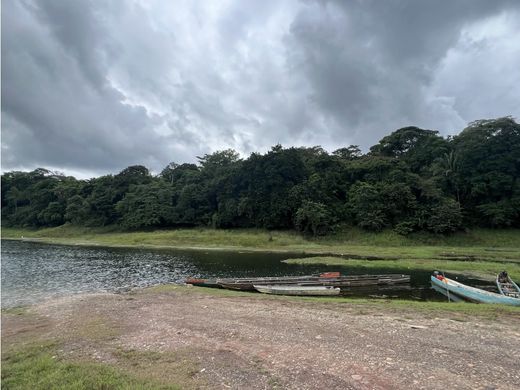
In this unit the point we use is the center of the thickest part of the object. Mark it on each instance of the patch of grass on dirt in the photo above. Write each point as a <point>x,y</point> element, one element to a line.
<point>38,366</point>
<point>97,328</point>
<point>16,311</point>
<point>451,310</point>
<point>483,268</point>
<point>163,367</point>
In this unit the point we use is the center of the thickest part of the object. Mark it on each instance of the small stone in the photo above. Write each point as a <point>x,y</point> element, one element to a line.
<point>356,377</point>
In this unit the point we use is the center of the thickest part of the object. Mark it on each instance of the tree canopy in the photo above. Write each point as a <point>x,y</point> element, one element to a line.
<point>412,180</point>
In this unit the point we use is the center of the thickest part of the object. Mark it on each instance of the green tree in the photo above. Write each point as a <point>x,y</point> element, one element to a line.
<point>147,205</point>
<point>417,147</point>
<point>368,206</point>
<point>488,156</point>
<point>313,218</point>
<point>77,210</point>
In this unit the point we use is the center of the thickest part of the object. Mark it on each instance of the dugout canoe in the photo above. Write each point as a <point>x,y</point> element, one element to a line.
<point>506,286</point>
<point>203,282</point>
<point>345,281</point>
<point>298,290</point>
<point>472,294</point>
<point>247,283</point>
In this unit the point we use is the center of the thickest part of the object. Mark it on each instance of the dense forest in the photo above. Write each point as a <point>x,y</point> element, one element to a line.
<point>412,180</point>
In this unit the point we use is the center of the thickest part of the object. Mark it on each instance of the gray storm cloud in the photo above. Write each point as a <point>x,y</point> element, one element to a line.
<point>93,87</point>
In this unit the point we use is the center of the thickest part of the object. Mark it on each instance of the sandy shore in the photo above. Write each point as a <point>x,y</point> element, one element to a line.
<point>254,342</point>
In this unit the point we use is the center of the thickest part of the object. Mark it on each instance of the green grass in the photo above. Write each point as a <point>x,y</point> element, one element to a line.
<point>480,244</point>
<point>166,367</point>
<point>17,311</point>
<point>40,367</point>
<point>399,306</point>
<point>484,269</point>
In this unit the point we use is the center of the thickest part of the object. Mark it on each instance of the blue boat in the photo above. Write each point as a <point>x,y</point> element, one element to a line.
<point>471,293</point>
<point>451,297</point>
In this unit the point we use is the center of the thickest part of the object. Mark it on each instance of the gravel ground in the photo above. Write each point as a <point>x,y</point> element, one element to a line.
<point>252,343</point>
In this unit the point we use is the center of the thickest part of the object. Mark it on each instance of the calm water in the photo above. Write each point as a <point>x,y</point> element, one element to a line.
<point>32,272</point>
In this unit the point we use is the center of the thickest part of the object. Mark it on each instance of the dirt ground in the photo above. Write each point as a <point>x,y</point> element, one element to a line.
<point>203,340</point>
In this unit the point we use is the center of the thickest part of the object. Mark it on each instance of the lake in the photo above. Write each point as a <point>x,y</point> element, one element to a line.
<point>33,272</point>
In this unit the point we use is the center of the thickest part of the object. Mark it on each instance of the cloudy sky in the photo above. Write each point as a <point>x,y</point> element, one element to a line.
<point>91,87</point>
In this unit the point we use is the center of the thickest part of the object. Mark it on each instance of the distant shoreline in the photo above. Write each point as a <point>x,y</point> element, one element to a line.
<point>52,241</point>
<point>351,248</point>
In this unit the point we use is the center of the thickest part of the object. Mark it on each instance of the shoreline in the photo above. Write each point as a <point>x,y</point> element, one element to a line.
<point>52,241</point>
<point>387,304</point>
<point>489,246</point>
<point>481,263</point>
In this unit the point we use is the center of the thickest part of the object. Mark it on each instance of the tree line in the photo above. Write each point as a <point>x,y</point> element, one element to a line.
<point>412,180</point>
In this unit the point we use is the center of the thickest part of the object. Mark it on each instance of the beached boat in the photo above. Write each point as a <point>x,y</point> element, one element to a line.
<point>298,290</point>
<point>471,293</point>
<point>506,286</point>
<point>246,284</point>
<point>345,281</point>
<point>446,293</point>
<point>203,282</point>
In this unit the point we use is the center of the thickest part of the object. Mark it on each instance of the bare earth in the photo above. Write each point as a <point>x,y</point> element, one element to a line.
<point>252,342</point>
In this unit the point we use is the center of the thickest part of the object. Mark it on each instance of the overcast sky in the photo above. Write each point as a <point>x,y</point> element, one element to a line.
<point>91,87</point>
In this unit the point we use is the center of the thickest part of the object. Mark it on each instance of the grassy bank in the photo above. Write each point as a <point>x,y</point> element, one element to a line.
<point>400,307</point>
<point>38,355</point>
<point>40,366</point>
<point>481,269</point>
<point>481,244</point>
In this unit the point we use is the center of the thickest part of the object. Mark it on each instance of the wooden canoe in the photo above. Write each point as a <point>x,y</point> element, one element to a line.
<point>506,286</point>
<point>203,282</point>
<point>298,290</point>
<point>472,293</point>
<point>326,279</point>
<point>247,283</point>
<point>347,281</point>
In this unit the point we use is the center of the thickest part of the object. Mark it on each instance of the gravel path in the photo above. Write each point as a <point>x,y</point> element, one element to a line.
<point>253,343</point>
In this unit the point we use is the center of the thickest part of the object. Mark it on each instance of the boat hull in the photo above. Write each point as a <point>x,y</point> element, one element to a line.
<point>349,281</point>
<point>451,297</point>
<point>298,290</point>
<point>203,282</point>
<point>473,294</point>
